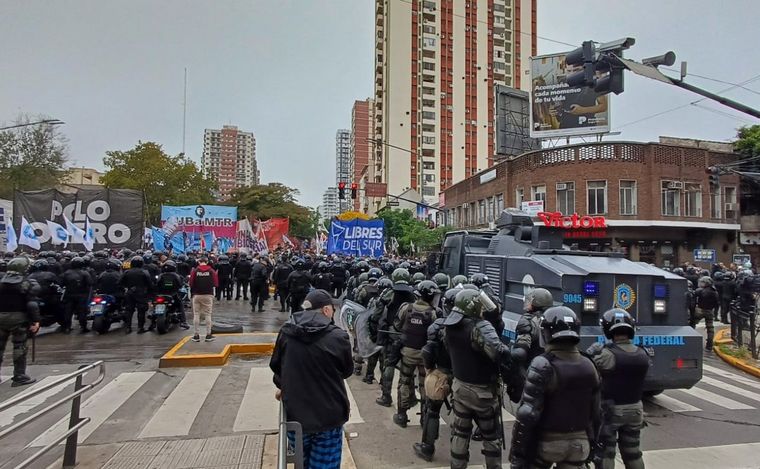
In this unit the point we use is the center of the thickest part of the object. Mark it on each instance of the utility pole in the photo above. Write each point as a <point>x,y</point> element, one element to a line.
<point>184,113</point>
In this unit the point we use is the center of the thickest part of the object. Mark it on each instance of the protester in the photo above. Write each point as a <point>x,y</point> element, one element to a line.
<point>311,358</point>
<point>203,280</point>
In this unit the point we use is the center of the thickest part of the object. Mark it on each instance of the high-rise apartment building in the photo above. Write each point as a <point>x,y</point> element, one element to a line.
<point>361,144</point>
<point>343,165</point>
<point>329,206</point>
<point>229,158</point>
<point>436,66</point>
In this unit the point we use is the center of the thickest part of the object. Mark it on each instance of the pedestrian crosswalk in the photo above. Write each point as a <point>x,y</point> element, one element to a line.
<point>170,404</point>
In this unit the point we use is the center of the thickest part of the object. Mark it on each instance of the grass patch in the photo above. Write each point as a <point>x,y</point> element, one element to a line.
<point>741,353</point>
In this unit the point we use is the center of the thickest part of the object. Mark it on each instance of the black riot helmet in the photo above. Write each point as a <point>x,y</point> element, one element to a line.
<point>560,324</point>
<point>617,321</point>
<point>137,261</point>
<point>479,280</point>
<point>299,264</point>
<point>78,263</point>
<point>169,266</point>
<point>374,274</point>
<point>324,267</point>
<point>405,265</point>
<point>40,265</point>
<point>384,283</point>
<point>679,271</point>
<point>362,266</point>
<point>428,291</point>
<point>448,299</point>
<point>113,265</point>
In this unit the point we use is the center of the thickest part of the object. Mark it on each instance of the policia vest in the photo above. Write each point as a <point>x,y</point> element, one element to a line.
<point>469,365</point>
<point>625,382</point>
<point>569,408</point>
<point>416,323</point>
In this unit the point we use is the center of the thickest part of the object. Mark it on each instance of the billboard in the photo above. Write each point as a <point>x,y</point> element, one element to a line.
<point>116,215</point>
<point>6,219</point>
<point>559,110</point>
<point>356,237</point>
<point>199,227</point>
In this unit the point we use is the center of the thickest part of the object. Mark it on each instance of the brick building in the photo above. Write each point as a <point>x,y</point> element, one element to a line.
<point>655,197</point>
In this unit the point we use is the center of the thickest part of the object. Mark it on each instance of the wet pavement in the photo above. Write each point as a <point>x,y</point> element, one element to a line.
<point>54,347</point>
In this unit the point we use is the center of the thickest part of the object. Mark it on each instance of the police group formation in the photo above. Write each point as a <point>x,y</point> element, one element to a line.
<point>727,293</point>
<point>573,407</point>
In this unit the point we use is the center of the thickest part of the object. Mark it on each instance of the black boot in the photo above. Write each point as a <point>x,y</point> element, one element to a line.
<point>401,419</point>
<point>369,379</point>
<point>21,380</point>
<point>384,400</point>
<point>424,451</point>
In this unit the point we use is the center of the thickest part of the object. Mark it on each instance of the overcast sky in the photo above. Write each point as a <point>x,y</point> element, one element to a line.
<point>290,70</point>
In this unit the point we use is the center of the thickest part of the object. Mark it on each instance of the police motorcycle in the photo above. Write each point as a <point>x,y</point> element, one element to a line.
<point>165,313</point>
<point>104,311</point>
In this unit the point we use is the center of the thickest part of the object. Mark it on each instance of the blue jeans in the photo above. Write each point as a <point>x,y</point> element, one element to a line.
<point>321,450</point>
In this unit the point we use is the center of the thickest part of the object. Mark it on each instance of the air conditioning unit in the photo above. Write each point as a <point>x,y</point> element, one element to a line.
<point>675,185</point>
<point>731,207</point>
<point>561,186</point>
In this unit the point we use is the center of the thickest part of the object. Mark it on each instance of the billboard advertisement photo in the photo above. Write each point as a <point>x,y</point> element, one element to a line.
<point>561,110</point>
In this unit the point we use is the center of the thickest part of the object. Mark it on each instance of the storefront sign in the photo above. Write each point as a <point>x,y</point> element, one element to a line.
<point>574,221</point>
<point>741,259</point>
<point>532,207</point>
<point>705,255</point>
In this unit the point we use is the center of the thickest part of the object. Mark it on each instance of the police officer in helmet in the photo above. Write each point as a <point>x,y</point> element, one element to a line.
<point>623,367</point>
<point>413,320</point>
<point>527,344</point>
<point>558,415</point>
<point>19,315</point>
<point>476,355</point>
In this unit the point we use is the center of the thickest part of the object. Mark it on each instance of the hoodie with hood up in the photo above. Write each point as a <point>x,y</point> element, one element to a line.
<point>311,358</point>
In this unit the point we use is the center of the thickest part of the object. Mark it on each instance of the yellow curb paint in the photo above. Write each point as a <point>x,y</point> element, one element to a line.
<point>733,361</point>
<point>172,360</point>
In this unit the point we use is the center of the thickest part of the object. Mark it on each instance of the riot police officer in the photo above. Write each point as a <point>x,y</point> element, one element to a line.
<point>169,283</point>
<point>49,294</point>
<point>390,337</point>
<point>476,356</point>
<point>259,284</point>
<point>280,275</point>
<point>707,302</point>
<point>338,271</point>
<point>299,283</point>
<point>242,274</point>
<point>413,320</point>
<point>107,282</point>
<point>527,345</point>
<point>376,305</point>
<point>224,273</point>
<point>623,367</point>
<point>78,284</point>
<point>323,279</point>
<point>19,315</point>
<point>138,284</point>
<point>438,376</point>
<point>559,412</point>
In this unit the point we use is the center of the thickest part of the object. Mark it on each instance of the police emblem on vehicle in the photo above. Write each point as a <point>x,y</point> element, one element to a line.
<point>624,296</point>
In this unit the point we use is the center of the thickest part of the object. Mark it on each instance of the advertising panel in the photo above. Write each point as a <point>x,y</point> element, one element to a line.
<point>559,110</point>
<point>115,215</point>
<point>199,227</point>
<point>356,237</point>
<point>6,219</point>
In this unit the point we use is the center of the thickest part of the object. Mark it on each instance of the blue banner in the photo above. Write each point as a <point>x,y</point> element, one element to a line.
<point>357,237</point>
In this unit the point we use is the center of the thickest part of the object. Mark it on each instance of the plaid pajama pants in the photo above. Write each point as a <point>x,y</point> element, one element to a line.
<point>321,450</point>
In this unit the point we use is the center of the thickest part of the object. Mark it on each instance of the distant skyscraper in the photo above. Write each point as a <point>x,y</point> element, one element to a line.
<point>343,165</point>
<point>361,146</point>
<point>329,206</point>
<point>436,66</point>
<point>229,158</point>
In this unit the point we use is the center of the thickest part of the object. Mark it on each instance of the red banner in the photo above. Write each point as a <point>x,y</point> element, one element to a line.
<point>274,230</point>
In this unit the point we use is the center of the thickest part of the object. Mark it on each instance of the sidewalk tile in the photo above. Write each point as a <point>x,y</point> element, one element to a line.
<point>140,448</point>
<point>137,462</point>
<point>218,458</point>
<point>224,443</point>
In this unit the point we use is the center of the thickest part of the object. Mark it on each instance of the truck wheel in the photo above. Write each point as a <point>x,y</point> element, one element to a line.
<point>100,325</point>
<point>161,325</point>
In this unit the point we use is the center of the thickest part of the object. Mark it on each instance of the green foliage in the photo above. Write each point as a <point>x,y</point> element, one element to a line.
<point>741,353</point>
<point>275,200</point>
<point>164,179</point>
<point>408,230</point>
<point>748,140</point>
<point>32,157</point>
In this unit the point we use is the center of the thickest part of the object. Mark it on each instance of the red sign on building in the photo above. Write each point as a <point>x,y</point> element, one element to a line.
<point>375,189</point>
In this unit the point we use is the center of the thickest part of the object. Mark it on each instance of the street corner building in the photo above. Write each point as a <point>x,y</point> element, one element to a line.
<point>652,201</point>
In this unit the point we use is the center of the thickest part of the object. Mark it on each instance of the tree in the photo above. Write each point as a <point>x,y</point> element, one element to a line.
<point>276,200</point>
<point>31,157</point>
<point>408,230</point>
<point>164,179</point>
<point>748,141</point>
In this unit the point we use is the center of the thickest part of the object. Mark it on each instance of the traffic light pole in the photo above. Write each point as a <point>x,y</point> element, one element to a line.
<point>724,101</point>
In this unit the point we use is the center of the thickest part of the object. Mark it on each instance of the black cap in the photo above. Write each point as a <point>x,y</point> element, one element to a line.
<point>316,299</point>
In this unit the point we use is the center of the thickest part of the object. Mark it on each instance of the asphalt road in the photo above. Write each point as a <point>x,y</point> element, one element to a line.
<point>722,410</point>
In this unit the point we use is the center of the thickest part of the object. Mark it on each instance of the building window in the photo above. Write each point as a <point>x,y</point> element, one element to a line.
<point>538,193</point>
<point>428,165</point>
<point>628,197</point>
<point>519,197</point>
<point>481,211</point>
<point>693,200</point>
<point>430,178</point>
<point>428,42</point>
<point>732,208</point>
<point>499,204</point>
<point>489,210</point>
<point>473,214</point>
<point>566,197</point>
<point>715,208</point>
<point>428,140</point>
<point>671,198</point>
<point>597,197</point>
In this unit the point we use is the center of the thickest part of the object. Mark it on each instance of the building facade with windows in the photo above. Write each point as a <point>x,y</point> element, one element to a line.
<point>361,144</point>
<point>656,198</point>
<point>343,172</point>
<point>330,206</point>
<point>229,158</point>
<point>437,63</point>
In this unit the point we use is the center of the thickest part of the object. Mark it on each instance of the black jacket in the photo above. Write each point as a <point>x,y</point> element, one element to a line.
<point>243,269</point>
<point>259,273</point>
<point>311,358</point>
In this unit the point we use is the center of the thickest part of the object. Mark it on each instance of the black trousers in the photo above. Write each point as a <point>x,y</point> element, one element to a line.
<point>224,289</point>
<point>259,293</point>
<point>284,297</point>
<point>75,305</point>
<point>242,284</point>
<point>132,302</point>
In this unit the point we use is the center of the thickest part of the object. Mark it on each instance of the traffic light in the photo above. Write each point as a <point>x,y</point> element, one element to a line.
<point>341,190</point>
<point>586,56</point>
<point>602,68</point>
<point>354,190</point>
<point>713,178</point>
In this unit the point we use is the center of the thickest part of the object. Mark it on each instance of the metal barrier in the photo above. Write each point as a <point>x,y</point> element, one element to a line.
<point>745,320</point>
<point>285,454</point>
<point>75,422</point>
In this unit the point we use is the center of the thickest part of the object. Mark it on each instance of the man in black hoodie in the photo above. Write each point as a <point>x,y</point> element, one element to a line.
<point>311,358</point>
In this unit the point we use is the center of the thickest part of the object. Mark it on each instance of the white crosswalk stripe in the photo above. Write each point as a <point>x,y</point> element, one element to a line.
<point>7,416</point>
<point>731,388</point>
<point>732,376</point>
<point>177,413</point>
<point>673,405</point>
<point>258,411</point>
<point>716,399</point>
<point>99,406</point>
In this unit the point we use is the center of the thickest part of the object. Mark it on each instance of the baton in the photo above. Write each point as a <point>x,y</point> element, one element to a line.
<point>390,332</point>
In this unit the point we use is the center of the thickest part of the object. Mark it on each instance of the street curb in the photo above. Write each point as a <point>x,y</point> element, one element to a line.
<point>172,360</point>
<point>733,361</point>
